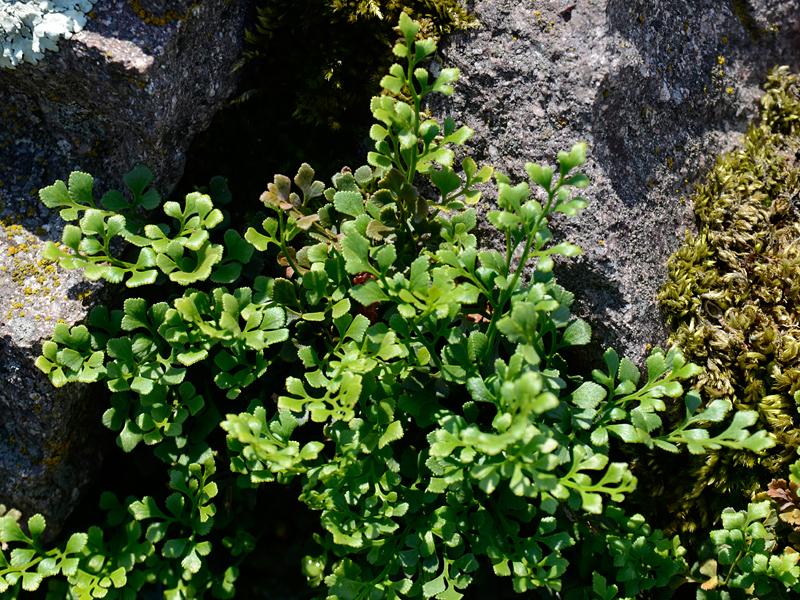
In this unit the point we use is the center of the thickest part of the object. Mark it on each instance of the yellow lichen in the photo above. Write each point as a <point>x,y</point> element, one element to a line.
<point>159,20</point>
<point>29,275</point>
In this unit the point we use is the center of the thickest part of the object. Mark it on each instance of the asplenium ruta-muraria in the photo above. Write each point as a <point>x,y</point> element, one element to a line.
<point>414,385</point>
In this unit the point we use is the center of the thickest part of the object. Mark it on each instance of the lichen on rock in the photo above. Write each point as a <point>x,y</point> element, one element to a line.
<point>29,28</point>
<point>732,297</point>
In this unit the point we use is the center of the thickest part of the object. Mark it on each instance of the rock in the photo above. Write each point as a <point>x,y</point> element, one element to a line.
<point>133,87</point>
<point>658,88</point>
<point>48,437</point>
<point>137,83</point>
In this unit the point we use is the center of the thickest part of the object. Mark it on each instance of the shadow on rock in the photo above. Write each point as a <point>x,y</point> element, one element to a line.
<point>49,438</point>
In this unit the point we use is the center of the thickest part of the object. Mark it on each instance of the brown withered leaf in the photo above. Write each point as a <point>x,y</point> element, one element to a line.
<point>783,492</point>
<point>787,503</point>
<point>709,569</point>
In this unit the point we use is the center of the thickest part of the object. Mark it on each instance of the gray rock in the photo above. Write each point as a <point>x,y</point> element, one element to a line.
<point>131,88</point>
<point>48,437</point>
<point>137,83</point>
<point>658,88</point>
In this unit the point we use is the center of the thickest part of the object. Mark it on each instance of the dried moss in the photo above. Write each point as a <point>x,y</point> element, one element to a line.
<point>733,299</point>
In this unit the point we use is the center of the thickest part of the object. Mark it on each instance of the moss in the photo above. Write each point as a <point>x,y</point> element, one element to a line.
<point>732,299</point>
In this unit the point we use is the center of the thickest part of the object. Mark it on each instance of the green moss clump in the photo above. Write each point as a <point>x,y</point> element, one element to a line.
<point>732,299</point>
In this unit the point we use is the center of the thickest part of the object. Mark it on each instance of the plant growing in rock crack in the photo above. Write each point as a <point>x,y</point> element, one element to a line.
<point>344,55</point>
<point>414,385</point>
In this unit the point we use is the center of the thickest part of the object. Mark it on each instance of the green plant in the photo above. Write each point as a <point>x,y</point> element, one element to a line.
<point>755,553</point>
<point>416,387</point>
<point>310,69</point>
<point>731,299</point>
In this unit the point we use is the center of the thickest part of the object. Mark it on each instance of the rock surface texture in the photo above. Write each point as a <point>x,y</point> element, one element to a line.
<point>133,87</point>
<point>137,83</point>
<point>658,88</point>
